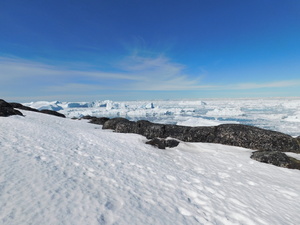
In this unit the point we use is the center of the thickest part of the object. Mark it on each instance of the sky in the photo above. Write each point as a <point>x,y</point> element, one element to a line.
<point>75,50</point>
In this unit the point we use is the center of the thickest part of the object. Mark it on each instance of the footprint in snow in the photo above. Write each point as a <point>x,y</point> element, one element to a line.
<point>114,204</point>
<point>40,158</point>
<point>89,172</point>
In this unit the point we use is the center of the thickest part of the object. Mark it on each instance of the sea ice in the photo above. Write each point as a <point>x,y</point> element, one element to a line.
<point>280,114</point>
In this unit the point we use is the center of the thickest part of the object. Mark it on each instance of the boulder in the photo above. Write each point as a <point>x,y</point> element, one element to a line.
<point>272,157</point>
<point>162,143</point>
<point>276,158</point>
<point>53,113</point>
<point>6,109</point>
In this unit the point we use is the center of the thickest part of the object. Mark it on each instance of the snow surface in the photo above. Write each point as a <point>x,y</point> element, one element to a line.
<point>63,171</point>
<point>280,114</point>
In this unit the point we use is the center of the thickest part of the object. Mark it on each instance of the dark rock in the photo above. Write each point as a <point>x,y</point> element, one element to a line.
<point>190,134</point>
<point>271,157</point>
<point>295,163</point>
<point>87,117</point>
<point>125,126</point>
<point>4,104</point>
<point>20,106</point>
<point>112,123</point>
<point>53,113</point>
<point>172,143</point>
<point>149,130</point>
<point>298,139</point>
<point>162,143</point>
<point>228,134</point>
<point>276,158</point>
<point>45,111</point>
<point>99,121</point>
<point>255,138</point>
<point>157,142</point>
<point>6,109</point>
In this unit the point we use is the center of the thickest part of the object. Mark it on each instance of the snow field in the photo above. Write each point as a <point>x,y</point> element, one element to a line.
<point>63,171</point>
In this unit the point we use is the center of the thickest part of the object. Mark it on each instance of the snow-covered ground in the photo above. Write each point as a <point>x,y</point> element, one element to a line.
<point>280,114</point>
<point>63,171</point>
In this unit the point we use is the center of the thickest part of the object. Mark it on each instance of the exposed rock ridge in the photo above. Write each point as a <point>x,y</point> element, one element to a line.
<point>20,106</point>
<point>53,113</point>
<point>9,109</point>
<point>229,134</point>
<point>45,111</point>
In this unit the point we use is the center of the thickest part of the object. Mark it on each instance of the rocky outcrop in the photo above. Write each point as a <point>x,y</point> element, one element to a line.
<point>7,109</point>
<point>88,117</point>
<point>45,111</point>
<point>276,158</point>
<point>162,143</point>
<point>255,138</point>
<point>53,113</point>
<point>229,134</point>
<point>20,106</point>
<point>96,120</point>
<point>125,125</point>
<point>298,139</point>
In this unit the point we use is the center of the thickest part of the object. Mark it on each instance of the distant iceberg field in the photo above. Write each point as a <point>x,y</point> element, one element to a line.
<point>280,114</point>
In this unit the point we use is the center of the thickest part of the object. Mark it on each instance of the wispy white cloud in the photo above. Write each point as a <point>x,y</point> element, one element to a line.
<point>13,68</point>
<point>159,73</point>
<point>273,84</point>
<point>133,73</point>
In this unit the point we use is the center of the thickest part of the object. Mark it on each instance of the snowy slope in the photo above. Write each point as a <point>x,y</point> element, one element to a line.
<point>61,171</point>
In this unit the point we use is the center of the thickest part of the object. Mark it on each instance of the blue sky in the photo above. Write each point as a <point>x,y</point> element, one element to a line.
<point>146,49</point>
